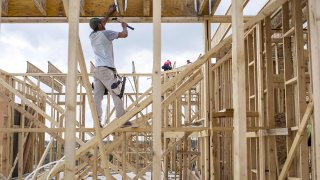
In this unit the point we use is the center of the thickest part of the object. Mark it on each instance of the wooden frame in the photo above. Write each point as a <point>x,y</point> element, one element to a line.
<point>223,120</point>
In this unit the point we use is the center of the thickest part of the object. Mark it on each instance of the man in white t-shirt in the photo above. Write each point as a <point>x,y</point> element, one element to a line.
<point>104,73</point>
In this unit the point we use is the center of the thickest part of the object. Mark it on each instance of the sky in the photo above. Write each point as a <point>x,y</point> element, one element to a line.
<point>40,43</point>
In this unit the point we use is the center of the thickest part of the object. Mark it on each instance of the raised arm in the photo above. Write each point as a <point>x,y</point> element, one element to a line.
<point>124,32</point>
<point>111,10</point>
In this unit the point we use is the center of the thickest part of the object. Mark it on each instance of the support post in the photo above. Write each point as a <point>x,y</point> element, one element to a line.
<point>314,24</point>
<point>261,101</point>
<point>238,93</point>
<point>156,92</point>
<point>205,100</point>
<point>70,134</point>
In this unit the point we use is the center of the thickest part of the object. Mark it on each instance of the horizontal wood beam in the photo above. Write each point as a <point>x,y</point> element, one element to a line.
<point>146,7</point>
<point>269,132</point>
<point>212,19</point>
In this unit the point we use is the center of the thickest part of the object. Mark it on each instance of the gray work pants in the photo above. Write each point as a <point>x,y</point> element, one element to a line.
<point>103,78</point>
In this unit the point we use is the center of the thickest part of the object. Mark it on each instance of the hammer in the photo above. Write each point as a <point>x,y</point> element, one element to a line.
<point>116,19</point>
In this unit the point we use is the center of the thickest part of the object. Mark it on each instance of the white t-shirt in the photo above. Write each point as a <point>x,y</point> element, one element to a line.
<point>101,42</point>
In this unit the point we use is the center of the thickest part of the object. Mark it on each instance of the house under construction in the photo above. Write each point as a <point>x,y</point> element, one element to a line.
<point>252,114</point>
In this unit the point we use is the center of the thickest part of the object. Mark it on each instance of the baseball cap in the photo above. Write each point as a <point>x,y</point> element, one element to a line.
<point>94,22</point>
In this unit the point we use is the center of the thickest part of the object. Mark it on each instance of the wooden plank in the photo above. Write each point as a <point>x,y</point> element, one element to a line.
<point>41,5</point>
<point>1,4</point>
<point>202,6</point>
<point>301,85</point>
<point>205,102</point>
<point>4,8</point>
<point>46,80</point>
<point>239,93</point>
<point>314,24</point>
<point>83,19</point>
<point>92,67</point>
<point>146,7</point>
<point>288,72</point>
<point>4,112</point>
<point>54,69</point>
<point>270,110</point>
<point>156,92</point>
<point>261,100</point>
<point>82,8</point>
<point>214,6</point>
<point>270,132</point>
<point>297,140</point>
<point>71,90</point>
<point>121,7</point>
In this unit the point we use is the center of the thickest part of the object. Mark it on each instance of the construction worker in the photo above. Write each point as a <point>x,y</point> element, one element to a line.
<point>167,65</point>
<point>105,71</point>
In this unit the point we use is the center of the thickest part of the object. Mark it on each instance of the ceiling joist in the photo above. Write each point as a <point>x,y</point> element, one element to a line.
<point>82,11</point>
<point>41,5</point>
<point>121,6</point>
<point>202,6</point>
<point>214,6</point>
<point>4,8</point>
<point>146,7</point>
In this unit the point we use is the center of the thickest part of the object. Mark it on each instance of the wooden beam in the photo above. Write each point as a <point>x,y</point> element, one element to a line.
<point>121,7</point>
<point>270,110</point>
<point>82,10</point>
<point>146,7</point>
<point>300,88</point>
<point>239,93</point>
<point>314,24</point>
<point>4,8</point>
<point>215,6</point>
<point>1,4</point>
<point>202,6</point>
<point>156,92</point>
<point>205,100</point>
<point>297,140</point>
<point>213,19</point>
<point>41,5</point>
<point>261,99</point>
<point>71,89</point>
